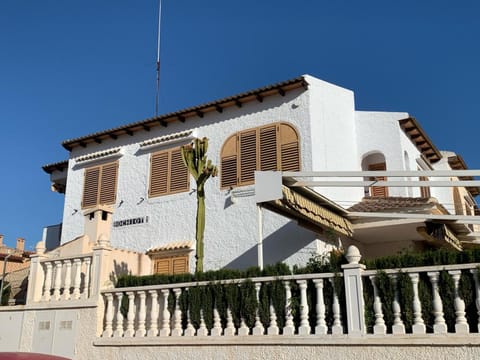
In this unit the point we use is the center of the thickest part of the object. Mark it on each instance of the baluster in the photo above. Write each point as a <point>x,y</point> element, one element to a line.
<point>153,321</point>
<point>58,280</point>
<point>142,315</point>
<point>190,330</point>
<point>337,328</point>
<point>108,332</point>
<point>418,326</point>
<point>304,328</point>
<point>439,327</point>
<point>243,330</point>
<point>165,330</point>
<point>86,287</point>
<point>321,326</point>
<point>461,324</point>
<point>379,327</point>
<point>230,328</point>
<point>118,332</point>
<point>48,282</point>
<point>477,295</point>
<point>289,328</point>
<point>130,314</point>
<point>398,327</point>
<point>77,279</point>
<point>258,329</point>
<point>273,328</point>
<point>217,325</point>
<point>68,279</point>
<point>177,314</point>
<point>202,330</point>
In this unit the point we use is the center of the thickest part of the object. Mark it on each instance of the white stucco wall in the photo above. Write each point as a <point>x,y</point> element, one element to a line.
<point>231,226</point>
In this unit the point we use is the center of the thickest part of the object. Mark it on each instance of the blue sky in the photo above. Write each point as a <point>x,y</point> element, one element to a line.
<point>70,68</point>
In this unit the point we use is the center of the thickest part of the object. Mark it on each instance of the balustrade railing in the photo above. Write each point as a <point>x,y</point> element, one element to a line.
<point>310,305</point>
<point>66,278</point>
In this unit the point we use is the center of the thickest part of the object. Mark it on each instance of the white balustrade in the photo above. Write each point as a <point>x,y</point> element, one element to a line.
<point>304,328</point>
<point>439,327</point>
<point>154,307</point>
<point>461,324</point>
<point>398,327</point>
<point>379,328</point>
<point>118,332</point>
<point>418,326</point>
<point>289,328</point>
<point>321,326</point>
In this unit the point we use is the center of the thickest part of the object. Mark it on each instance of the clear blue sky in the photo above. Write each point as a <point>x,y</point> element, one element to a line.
<point>70,68</point>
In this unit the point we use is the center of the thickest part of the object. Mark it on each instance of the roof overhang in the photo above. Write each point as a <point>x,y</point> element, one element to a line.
<point>457,163</point>
<point>189,113</point>
<point>421,140</point>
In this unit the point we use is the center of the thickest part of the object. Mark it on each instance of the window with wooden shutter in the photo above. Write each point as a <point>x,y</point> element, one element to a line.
<point>424,190</point>
<point>272,147</point>
<point>378,191</point>
<point>100,185</point>
<point>168,173</point>
<point>171,265</point>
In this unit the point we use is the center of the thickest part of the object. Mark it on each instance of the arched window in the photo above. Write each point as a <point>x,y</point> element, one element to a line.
<point>375,162</point>
<point>271,147</point>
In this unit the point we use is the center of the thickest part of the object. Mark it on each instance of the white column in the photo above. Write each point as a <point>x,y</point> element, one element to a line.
<point>397,328</point>
<point>439,327</point>
<point>289,328</point>
<point>258,329</point>
<point>154,312</point>
<point>118,332</point>
<point>77,279</point>
<point>177,314</point>
<point>321,326</point>
<point>108,316</point>
<point>165,330</point>
<point>68,279</point>
<point>379,328</point>
<point>58,280</point>
<point>48,281</point>
<point>418,326</point>
<point>337,328</point>
<point>304,328</point>
<point>36,277</point>
<point>142,314</point>
<point>461,324</point>
<point>130,331</point>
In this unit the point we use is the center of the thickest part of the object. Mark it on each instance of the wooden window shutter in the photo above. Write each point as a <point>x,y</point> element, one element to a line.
<point>378,191</point>
<point>248,156</point>
<point>289,148</point>
<point>162,266</point>
<point>180,265</point>
<point>108,183</point>
<point>268,149</point>
<point>179,176</point>
<point>90,187</point>
<point>158,174</point>
<point>228,160</point>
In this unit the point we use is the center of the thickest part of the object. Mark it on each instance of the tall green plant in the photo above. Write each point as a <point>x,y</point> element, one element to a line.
<point>195,159</point>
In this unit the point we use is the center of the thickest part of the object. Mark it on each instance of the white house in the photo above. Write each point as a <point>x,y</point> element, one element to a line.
<point>303,124</point>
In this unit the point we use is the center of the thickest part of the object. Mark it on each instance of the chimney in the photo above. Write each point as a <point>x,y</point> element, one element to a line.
<point>20,245</point>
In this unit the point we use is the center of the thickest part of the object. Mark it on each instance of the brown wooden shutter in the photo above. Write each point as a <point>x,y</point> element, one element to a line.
<point>229,173</point>
<point>108,183</point>
<point>158,174</point>
<point>289,148</point>
<point>179,176</point>
<point>90,187</point>
<point>180,265</point>
<point>248,156</point>
<point>268,148</point>
<point>162,266</point>
<point>378,191</point>
<point>424,190</point>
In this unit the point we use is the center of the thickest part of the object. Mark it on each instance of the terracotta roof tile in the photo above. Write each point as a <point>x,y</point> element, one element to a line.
<point>378,204</point>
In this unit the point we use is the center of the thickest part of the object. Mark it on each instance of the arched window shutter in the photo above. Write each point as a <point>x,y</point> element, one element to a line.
<point>289,148</point>
<point>228,163</point>
<point>268,148</point>
<point>248,156</point>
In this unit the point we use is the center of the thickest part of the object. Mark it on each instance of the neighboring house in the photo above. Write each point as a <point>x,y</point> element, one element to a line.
<point>17,259</point>
<point>304,124</point>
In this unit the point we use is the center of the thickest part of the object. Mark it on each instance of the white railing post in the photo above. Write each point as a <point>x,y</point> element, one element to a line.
<point>108,332</point>
<point>57,281</point>
<point>337,328</point>
<point>304,328</point>
<point>36,276</point>
<point>142,314</point>
<point>352,277</point>
<point>398,328</point>
<point>165,330</point>
<point>321,326</point>
<point>154,312</point>
<point>461,324</point>
<point>77,277</point>
<point>418,326</point>
<point>439,327</point>
<point>273,328</point>
<point>230,328</point>
<point>86,281</point>
<point>47,286</point>
<point>258,329</point>
<point>379,328</point>
<point>289,328</point>
<point>477,294</point>
<point>118,332</point>
<point>130,332</point>
<point>177,314</point>
<point>68,279</point>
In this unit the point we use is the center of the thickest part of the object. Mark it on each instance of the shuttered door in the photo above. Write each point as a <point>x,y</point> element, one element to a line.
<point>289,148</point>
<point>90,187</point>
<point>179,176</point>
<point>108,183</point>
<point>268,148</point>
<point>378,191</point>
<point>248,156</point>
<point>158,174</point>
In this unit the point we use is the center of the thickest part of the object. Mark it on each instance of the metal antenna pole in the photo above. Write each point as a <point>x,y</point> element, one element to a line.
<point>158,57</point>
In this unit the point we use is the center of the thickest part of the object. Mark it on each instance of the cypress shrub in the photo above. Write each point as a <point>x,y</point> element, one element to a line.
<point>405,298</point>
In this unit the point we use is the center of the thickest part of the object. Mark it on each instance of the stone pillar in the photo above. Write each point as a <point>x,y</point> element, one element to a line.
<point>101,267</point>
<point>36,277</point>
<point>352,276</point>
